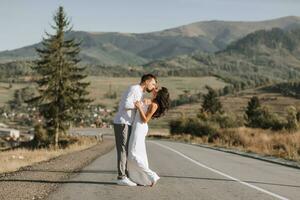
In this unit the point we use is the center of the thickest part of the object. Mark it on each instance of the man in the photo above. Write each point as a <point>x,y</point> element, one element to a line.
<point>124,120</point>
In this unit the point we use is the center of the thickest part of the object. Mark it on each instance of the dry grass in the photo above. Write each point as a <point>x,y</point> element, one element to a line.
<point>12,160</point>
<point>237,103</point>
<point>264,142</point>
<point>276,102</point>
<point>158,132</point>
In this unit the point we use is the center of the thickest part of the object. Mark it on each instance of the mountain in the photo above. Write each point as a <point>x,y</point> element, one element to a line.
<point>261,57</point>
<point>112,48</point>
<point>120,48</point>
<point>222,33</point>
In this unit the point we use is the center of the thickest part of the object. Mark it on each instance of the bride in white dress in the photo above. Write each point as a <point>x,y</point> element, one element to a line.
<point>137,160</point>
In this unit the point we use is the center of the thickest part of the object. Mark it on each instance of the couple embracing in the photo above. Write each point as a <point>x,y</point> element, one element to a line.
<point>131,128</point>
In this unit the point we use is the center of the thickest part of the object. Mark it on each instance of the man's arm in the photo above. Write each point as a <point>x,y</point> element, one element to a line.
<point>130,99</point>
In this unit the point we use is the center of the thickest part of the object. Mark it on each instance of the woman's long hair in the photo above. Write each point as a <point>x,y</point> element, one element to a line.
<point>163,100</point>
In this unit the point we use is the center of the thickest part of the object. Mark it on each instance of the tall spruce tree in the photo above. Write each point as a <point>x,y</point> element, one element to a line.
<point>62,95</point>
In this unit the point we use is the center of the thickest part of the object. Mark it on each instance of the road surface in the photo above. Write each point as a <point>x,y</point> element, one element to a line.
<point>187,172</point>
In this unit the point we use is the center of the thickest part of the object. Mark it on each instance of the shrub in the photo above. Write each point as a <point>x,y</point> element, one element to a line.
<point>177,126</point>
<point>292,122</point>
<point>267,120</point>
<point>193,126</point>
<point>227,120</point>
<point>258,116</point>
<point>41,136</point>
<point>198,127</point>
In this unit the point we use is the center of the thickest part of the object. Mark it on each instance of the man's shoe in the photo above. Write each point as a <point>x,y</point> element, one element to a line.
<point>126,181</point>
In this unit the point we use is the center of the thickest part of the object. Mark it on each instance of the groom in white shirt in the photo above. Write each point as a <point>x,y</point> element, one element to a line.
<point>123,121</point>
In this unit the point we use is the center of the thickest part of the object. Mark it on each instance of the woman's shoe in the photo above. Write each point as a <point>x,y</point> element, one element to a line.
<point>155,181</point>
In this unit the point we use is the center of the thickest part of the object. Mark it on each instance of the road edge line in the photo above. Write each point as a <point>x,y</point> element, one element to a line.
<point>270,159</point>
<point>222,174</point>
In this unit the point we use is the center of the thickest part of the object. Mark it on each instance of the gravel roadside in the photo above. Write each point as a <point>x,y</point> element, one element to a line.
<point>38,180</point>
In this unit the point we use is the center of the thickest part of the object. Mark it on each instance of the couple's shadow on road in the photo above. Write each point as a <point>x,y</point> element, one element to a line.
<point>69,173</point>
<point>115,173</point>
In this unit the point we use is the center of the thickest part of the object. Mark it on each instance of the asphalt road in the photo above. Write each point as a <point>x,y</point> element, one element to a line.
<point>187,172</point>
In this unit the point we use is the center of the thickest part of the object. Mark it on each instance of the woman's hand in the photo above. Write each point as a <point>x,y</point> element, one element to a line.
<point>138,104</point>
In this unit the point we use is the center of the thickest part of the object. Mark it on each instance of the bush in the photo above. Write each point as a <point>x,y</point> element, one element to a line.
<point>258,116</point>
<point>186,98</point>
<point>292,121</point>
<point>198,127</point>
<point>227,120</point>
<point>41,136</point>
<point>177,126</point>
<point>193,126</point>
<point>267,120</point>
<point>222,119</point>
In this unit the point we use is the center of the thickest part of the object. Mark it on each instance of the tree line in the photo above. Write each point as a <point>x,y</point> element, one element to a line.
<point>212,117</point>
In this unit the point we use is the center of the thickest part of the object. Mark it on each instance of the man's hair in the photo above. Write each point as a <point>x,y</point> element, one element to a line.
<point>147,77</point>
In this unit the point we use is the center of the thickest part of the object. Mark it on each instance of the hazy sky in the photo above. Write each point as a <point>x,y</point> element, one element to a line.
<point>23,22</point>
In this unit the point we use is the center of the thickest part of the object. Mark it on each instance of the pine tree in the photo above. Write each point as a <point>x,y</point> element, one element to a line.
<point>211,103</point>
<point>62,96</point>
<point>253,112</point>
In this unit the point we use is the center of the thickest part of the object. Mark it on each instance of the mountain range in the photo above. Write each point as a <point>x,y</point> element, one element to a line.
<point>259,58</point>
<point>113,48</point>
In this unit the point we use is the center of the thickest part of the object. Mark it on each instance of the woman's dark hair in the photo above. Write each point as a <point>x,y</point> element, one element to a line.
<point>163,100</point>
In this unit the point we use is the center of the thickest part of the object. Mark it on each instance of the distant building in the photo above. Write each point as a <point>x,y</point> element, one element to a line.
<point>8,132</point>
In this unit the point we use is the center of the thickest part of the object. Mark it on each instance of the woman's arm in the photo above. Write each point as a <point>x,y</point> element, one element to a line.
<point>151,110</point>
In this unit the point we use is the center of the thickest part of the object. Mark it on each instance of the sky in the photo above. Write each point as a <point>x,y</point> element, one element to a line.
<point>24,22</point>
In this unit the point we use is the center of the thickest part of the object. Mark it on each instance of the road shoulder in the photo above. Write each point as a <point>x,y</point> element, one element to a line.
<point>39,180</point>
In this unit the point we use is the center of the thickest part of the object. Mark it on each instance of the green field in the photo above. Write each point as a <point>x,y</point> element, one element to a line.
<point>176,85</point>
<point>102,85</point>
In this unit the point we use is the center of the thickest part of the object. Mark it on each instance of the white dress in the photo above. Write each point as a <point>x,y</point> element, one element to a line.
<point>137,161</point>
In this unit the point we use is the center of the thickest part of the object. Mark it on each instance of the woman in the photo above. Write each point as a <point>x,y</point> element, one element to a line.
<point>137,161</point>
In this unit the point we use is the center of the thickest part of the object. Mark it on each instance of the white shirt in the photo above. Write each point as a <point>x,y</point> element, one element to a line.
<point>126,111</point>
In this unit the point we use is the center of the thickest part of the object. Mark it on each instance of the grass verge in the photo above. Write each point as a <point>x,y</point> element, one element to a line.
<point>12,160</point>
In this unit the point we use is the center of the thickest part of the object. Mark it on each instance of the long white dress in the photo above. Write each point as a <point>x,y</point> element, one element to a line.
<point>137,161</point>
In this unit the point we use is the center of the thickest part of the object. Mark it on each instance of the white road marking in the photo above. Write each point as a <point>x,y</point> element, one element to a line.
<point>221,173</point>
